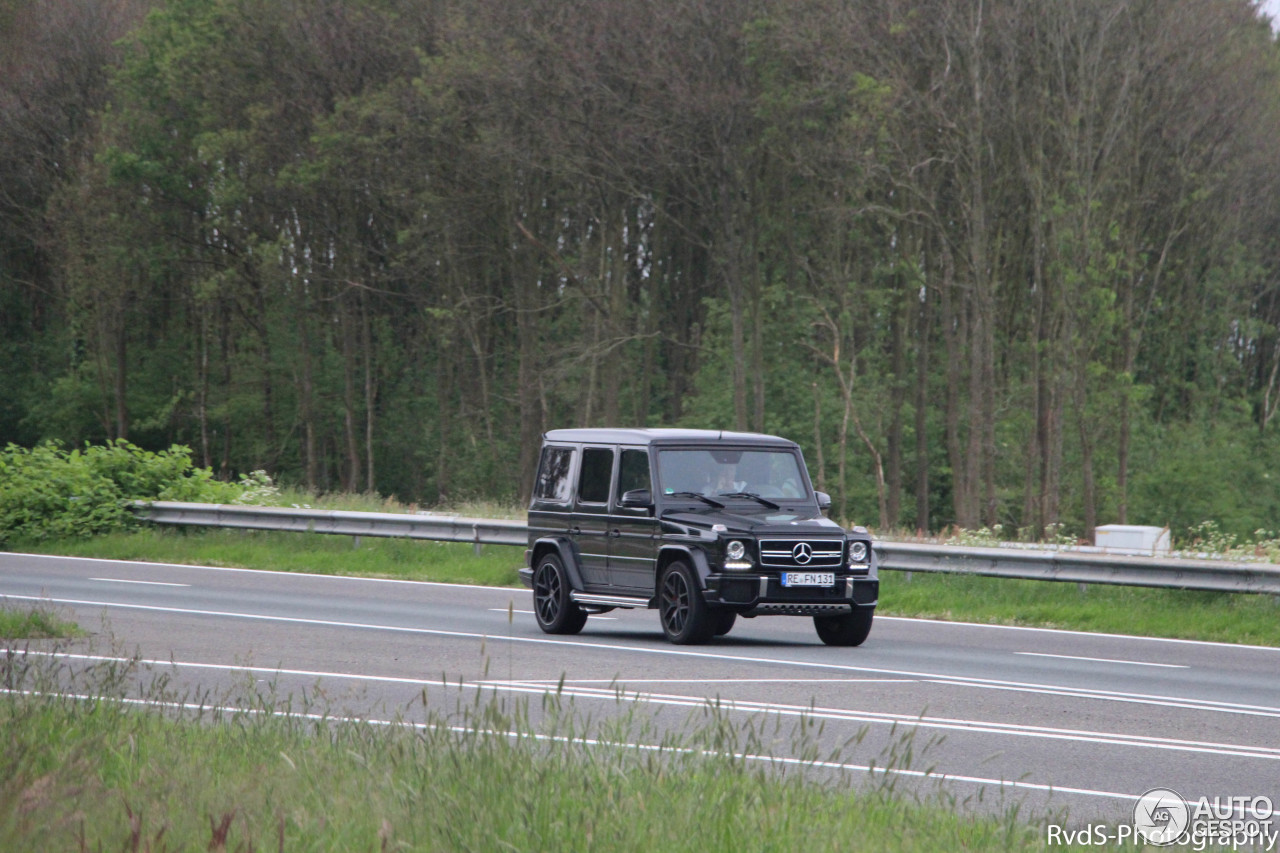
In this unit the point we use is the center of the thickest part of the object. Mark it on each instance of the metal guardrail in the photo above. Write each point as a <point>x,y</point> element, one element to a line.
<point>1215,575</point>
<point>440,528</point>
<point>1168,573</point>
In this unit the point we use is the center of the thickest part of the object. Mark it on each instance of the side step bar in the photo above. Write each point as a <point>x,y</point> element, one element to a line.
<point>600,600</point>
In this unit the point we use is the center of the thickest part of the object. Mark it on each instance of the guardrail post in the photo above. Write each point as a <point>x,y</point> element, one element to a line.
<point>475,532</point>
<point>355,542</point>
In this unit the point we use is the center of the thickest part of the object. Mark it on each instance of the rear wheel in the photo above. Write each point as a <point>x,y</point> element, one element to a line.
<point>556,612</point>
<point>846,629</point>
<point>684,614</point>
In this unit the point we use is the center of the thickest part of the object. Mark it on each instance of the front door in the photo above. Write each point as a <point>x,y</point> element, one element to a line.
<point>634,546</point>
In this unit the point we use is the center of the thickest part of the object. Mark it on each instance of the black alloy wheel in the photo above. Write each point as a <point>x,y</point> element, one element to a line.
<point>684,614</point>
<point>846,629</point>
<point>556,612</point>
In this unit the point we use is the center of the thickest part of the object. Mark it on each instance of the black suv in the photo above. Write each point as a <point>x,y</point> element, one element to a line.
<point>703,525</point>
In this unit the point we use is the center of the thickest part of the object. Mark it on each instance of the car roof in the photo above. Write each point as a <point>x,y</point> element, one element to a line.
<point>614,435</point>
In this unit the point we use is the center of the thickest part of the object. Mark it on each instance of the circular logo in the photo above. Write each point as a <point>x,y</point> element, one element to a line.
<point>1160,816</point>
<point>802,553</point>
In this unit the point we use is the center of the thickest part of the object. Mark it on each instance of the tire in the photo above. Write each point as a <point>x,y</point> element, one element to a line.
<point>847,629</point>
<point>556,612</point>
<point>684,614</point>
<point>722,621</point>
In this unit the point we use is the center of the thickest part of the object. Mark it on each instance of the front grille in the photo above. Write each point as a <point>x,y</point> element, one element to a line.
<point>801,553</point>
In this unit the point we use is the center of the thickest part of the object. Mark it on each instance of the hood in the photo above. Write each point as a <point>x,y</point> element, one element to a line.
<point>746,521</point>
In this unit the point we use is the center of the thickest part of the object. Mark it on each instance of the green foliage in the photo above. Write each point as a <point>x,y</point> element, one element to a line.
<point>48,492</point>
<point>379,245</point>
<point>1223,471</point>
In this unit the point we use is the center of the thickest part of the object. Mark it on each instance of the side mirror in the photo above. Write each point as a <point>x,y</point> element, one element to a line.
<point>637,499</point>
<point>824,501</point>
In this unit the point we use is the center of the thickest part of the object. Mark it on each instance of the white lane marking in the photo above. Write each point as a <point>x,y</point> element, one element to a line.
<point>1069,633</point>
<point>531,613</point>
<point>926,775</point>
<point>719,657</point>
<point>884,718</point>
<point>1104,660</point>
<point>743,706</point>
<point>509,589</point>
<point>800,681</point>
<point>147,583</point>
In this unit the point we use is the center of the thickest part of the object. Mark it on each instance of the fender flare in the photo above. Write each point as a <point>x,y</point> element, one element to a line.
<point>696,558</point>
<point>567,551</point>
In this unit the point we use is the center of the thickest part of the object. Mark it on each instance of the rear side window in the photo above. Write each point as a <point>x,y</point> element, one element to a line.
<point>633,472</point>
<point>597,471</point>
<point>553,483</point>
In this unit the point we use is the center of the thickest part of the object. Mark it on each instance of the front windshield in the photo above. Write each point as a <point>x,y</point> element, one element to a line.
<point>731,471</point>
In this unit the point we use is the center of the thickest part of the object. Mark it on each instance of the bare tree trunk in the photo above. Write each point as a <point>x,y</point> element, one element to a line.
<point>897,395</point>
<point>202,384</point>
<point>224,335</point>
<point>757,349</point>
<point>616,296</point>
<point>369,391</point>
<point>351,474</point>
<point>1089,496</point>
<point>924,331</point>
<point>444,419</point>
<point>528,368</point>
<point>817,439</point>
<point>952,332</point>
<point>306,398</point>
<point>121,380</point>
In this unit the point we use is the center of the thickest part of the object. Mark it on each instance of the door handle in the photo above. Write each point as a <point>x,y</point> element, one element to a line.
<point>576,531</point>
<point>615,532</point>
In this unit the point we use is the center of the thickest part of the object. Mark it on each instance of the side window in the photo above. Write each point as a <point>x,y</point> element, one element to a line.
<point>553,483</point>
<point>633,472</point>
<point>597,471</point>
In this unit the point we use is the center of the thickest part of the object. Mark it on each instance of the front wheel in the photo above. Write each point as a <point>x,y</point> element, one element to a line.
<point>556,612</point>
<point>847,629</point>
<point>684,614</point>
<point>722,621</point>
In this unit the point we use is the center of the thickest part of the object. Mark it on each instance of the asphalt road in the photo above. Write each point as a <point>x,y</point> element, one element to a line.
<point>983,714</point>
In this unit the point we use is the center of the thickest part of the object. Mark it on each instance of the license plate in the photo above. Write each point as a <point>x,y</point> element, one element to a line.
<point>808,578</point>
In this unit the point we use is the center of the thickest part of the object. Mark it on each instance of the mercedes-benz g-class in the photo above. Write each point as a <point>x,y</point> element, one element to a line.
<point>705,526</point>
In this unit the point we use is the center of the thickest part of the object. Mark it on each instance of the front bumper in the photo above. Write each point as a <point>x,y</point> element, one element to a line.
<point>762,594</point>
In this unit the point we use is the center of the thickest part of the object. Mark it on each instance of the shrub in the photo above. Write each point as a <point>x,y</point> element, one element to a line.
<point>48,492</point>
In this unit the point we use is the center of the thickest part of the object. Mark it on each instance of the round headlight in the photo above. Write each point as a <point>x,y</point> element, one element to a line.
<point>857,552</point>
<point>735,550</point>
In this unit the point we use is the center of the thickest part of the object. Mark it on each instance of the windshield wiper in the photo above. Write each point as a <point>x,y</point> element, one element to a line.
<point>701,497</point>
<point>770,504</point>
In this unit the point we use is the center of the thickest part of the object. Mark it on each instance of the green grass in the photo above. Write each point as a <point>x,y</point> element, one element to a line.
<point>402,559</point>
<point>35,624</point>
<point>1223,617</point>
<point>98,775</point>
<point>1183,614</point>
